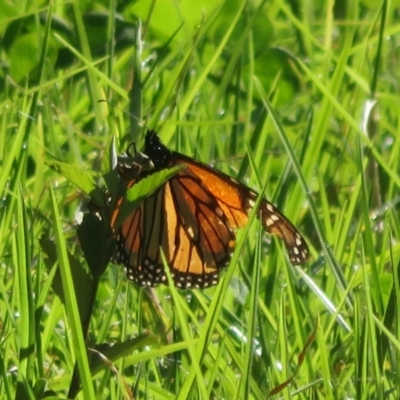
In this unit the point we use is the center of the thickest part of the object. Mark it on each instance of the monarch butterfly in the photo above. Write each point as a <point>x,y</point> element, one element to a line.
<point>191,218</point>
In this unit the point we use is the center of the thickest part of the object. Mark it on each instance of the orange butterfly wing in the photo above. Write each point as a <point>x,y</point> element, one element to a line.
<point>191,219</point>
<point>183,219</point>
<point>237,200</point>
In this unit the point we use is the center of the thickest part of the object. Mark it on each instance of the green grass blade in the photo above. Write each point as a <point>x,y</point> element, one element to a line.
<point>71,305</point>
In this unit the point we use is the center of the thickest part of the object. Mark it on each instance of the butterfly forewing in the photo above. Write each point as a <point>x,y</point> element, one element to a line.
<point>237,200</point>
<point>275,223</point>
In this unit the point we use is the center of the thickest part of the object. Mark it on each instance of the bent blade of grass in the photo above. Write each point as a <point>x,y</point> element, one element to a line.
<point>252,323</point>
<point>367,234</point>
<point>353,123</point>
<point>71,304</point>
<point>213,313</point>
<point>26,306</point>
<point>298,171</point>
<point>194,354</point>
<point>373,349</point>
<point>91,65</point>
<point>142,190</point>
<point>192,93</point>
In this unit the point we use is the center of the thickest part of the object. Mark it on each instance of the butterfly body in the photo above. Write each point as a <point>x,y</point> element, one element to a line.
<point>192,219</point>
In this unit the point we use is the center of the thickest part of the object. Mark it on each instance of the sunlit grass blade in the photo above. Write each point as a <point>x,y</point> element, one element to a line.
<point>26,329</point>
<point>71,305</point>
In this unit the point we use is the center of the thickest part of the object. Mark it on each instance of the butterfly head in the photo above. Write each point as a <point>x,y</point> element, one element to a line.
<point>156,151</point>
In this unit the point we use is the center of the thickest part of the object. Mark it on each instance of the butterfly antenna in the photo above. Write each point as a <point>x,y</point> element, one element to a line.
<point>141,122</point>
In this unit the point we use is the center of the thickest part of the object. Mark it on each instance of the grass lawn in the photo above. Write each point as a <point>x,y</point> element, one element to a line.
<point>298,100</point>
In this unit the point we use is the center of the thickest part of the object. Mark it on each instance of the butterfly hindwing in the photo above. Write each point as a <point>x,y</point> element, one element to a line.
<point>193,234</point>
